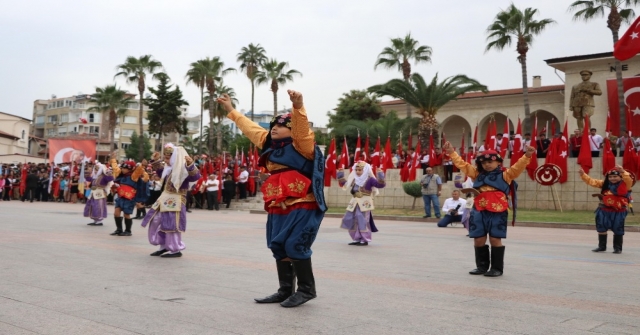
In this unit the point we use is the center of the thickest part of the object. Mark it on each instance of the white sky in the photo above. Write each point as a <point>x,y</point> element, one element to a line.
<point>64,47</point>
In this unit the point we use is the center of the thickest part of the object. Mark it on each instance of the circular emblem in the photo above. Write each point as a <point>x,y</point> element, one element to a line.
<point>548,174</point>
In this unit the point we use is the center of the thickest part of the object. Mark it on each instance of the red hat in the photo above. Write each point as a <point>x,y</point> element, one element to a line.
<point>488,155</point>
<point>128,165</point>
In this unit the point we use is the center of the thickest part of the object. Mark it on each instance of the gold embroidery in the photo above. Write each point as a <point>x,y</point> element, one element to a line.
<point>497,207</point>
<point>296,186</point>
<point>272,190</point>
<point>483,202</point>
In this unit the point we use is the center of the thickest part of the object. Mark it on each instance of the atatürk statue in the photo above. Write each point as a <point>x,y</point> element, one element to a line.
<point>581,102</point>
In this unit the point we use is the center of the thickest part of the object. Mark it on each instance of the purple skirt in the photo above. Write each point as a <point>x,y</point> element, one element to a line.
<point>169,221</point>
<point>96,209</point>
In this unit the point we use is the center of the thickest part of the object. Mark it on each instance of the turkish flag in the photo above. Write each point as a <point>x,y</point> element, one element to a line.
<point>631,87</point>
<point>387,161</point>
<point>344,155</point>
<point>630,159</point>
<point>365,152</point>
<point>533,164</point>
<point>330,164</point>
<point>584,158</point>
<point>415,163</point>
<point>357,157</point>
<point>375,157</point>
<point>475,139</point>
<point>629,44</point>
<point>517,145</point>
<point>608,159</point>
<point>558,153</point>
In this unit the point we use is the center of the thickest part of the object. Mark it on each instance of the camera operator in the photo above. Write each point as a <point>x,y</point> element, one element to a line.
<point>452,208</point>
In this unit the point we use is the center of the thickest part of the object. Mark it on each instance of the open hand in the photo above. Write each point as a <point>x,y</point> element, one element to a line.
<point>581,172</point>
<point>619,169</point>
<point>296,98</point>
<point>448,148</point>
<point>529,151</point>
<point>225,101</point>
<point>155,156</point>
<point>188,160</point>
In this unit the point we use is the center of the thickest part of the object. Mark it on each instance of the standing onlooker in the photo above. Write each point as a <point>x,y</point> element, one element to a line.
<point>32,185</point>
<point>8,181</point>
<point>542,144</point>
<point>431,188</point>
<point>44,187</point>
<point>622,143</point>
<point>448,167</point>
<point>228,190</point>
<point>575,143</point>
<point>1,186</point>
<point>424,160</point>
<point>155,189</point>
<point>73,189</point>
<point>243,178</point>
<point>212,185</point>
<point>595,141</point>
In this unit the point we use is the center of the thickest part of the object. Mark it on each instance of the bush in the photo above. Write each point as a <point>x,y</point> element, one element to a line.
<point>414,189</point>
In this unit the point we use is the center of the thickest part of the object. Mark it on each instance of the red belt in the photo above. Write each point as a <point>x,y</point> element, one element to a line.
<point>127,192</point>
<point>492,201</point>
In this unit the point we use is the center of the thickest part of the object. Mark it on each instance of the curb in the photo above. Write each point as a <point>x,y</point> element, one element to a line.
<point>627,229</point>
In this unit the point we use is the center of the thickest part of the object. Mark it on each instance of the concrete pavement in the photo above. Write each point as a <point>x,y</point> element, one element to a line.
<point>59,276</point>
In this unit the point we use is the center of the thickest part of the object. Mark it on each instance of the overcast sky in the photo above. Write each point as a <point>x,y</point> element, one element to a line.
<point>64,47</point>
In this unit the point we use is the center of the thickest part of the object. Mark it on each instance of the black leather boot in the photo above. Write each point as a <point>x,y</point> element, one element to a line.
<point>306,284</point>
<point>497,262</point>
<point>137,213</point>
<point>118,226</point>
<point>617,244</point>
<point>127,231</point>
<point>482,260</point>
<point>287,280</point>
<point>602,243</point>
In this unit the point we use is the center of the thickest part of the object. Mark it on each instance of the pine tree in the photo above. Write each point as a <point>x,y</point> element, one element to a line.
<point>165,115</point>
<point>133,149</point>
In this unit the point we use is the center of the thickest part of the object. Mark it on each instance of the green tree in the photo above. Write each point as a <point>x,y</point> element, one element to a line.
<point>214,71</point>
<point>219,113</point>
<point>251,59</point>
<point>400,54</point>
<point>225,134</point>
<point>196,75</point>
<point>414,189</point>
<point>355,105</point>
<point>514,24</point>
<point>165,113</point>
<point>112,102</point>
<point>275,73</point>
<point>135,70</point>
<point>137,142</point>
<point>428,98</point>
<point>587,10</point>
<point>191,145</point>
<point>241,142</point>
<point>388,125</point>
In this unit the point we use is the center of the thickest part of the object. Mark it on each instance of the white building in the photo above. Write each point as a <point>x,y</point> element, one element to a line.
<point>14,139</point>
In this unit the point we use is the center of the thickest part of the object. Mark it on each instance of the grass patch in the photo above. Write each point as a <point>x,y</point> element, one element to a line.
<point>576,217</point>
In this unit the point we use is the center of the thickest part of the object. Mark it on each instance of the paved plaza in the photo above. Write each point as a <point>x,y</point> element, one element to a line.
<point>60,276</point>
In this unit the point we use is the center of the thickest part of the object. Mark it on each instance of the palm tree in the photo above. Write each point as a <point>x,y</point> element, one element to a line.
<point>511,24</point>
<point>219,113</point>
<point>213,70</point>
<point>196,75</point>
<point>112,101</point>
<point>251,58</point>
<point>276,74</point>
<point>191,145</point>
<point>428,98</point>
<point>135,70</point>
<point>590,9</point>
<point>400,54</point>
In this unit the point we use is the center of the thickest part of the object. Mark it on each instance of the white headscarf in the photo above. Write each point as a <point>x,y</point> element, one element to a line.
<point>101,170</point>
<point>360,180</point>
<point>177,161</point>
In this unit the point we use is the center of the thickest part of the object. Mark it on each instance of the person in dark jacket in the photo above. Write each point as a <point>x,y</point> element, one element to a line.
<point>32,185</point>
<point>228,190</point>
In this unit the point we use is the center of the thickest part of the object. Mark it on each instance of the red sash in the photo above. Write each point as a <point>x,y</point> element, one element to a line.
<point>280,186</point>
<point>492,201</point>
<point>126,192</point>
<point>615,202</point>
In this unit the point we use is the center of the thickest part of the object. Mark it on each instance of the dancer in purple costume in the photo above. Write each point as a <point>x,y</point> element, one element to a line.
<point>96,206</point>
<point>363,186</point>
<point>167,217</point>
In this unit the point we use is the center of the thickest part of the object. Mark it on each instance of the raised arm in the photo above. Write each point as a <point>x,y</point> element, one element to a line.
<point>514,171</point>
<point>301,133</point>
<point>466,168</point>
<point>256,134</point>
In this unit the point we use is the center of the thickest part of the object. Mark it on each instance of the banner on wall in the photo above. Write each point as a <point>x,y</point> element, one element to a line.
<point>631,87</point>
<point>77,151</point>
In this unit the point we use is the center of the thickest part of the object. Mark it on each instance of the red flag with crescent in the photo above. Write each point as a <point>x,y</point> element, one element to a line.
<point>631,88</point>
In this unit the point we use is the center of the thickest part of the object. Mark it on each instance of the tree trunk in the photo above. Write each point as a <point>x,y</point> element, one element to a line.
<point>141,127</point>
<point>211,122</point>
<point>275,103</point>
<point>406,74</point>
<point>252,93</point>
<point>621,105</point>
<point>218,134</point>
<point>112,130</point>
<point>525,93</point>
<point>201,118</point>
<point>413,205</point>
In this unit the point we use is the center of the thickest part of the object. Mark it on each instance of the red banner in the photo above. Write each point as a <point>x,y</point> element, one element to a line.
<point>631,88</point>
<point>65,151</point>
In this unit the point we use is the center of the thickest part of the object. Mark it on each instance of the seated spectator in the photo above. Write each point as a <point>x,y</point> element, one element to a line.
<point>452,208</point>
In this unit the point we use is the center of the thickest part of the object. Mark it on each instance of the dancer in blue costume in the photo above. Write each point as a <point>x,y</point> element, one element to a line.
<point>490,211</point>
<point>293,195</point>
<point>615,192</point>
<point>128,177</point>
